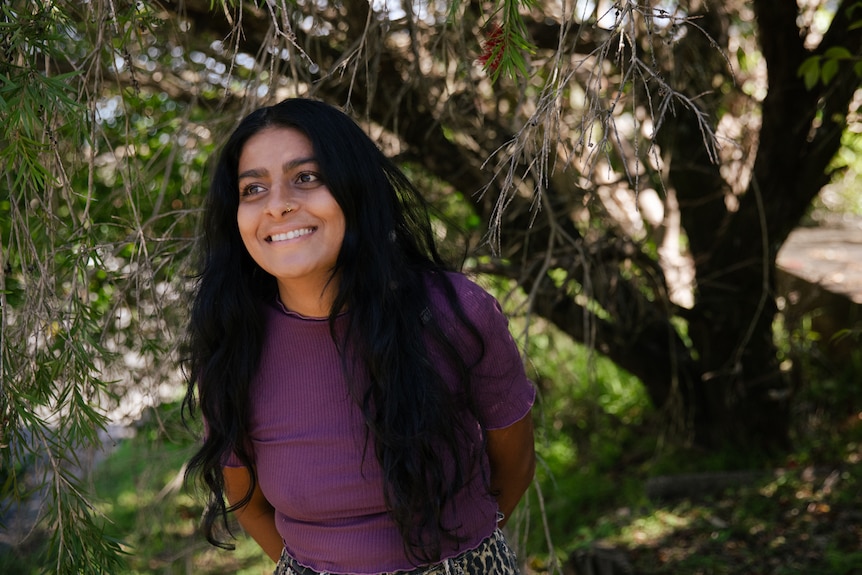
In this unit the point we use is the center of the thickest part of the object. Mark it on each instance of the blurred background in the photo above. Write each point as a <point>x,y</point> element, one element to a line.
<point>664,195</point>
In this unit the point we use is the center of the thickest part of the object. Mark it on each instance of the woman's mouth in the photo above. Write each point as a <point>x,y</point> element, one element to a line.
<point>292,234</point>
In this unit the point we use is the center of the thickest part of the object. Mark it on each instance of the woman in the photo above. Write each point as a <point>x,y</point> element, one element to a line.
<point>366,409</point>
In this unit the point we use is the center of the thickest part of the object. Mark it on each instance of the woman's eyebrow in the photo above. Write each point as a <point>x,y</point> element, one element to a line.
<point>286,167</point>
<point>253,173</point>
<point>291,164</point>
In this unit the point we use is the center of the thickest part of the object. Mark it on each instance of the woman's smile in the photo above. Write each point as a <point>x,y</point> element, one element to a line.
<point>291,235</point>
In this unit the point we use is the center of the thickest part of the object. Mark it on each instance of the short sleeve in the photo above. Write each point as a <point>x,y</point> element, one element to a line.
<point>232,461</point>
<point>501,391</point>
<point>230,458</point>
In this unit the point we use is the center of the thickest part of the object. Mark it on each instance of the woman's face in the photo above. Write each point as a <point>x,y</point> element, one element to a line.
<point>290,223</point>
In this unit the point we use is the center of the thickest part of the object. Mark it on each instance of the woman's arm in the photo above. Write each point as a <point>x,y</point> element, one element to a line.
<point>257,516</point>
<point>513,463</point>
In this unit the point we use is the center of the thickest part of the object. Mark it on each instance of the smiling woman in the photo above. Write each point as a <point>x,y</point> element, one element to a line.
<point>289,222</point>
<point>367,410</point>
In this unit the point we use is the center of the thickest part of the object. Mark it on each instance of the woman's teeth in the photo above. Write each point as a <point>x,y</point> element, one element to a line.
<point>290,235</point>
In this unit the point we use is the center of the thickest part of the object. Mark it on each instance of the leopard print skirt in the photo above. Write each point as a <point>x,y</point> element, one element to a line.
<point>492,557</point>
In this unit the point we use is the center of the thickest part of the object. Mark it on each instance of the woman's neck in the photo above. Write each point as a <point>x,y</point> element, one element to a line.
<point>313,301</point>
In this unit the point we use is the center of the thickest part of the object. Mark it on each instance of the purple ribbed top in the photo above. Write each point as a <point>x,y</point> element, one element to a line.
<point>308,439</point>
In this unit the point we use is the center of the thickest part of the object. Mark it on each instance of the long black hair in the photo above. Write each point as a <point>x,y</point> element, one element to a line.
<point>386,259</point>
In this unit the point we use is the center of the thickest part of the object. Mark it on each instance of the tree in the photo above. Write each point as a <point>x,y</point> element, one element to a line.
<point>700,104</point>
<point>635,168</point>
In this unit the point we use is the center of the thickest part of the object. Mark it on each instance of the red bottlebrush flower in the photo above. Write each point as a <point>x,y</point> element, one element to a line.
<point>492,48</point>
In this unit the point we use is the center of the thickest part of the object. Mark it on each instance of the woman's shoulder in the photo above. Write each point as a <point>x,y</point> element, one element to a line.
<point>472,297</point>
<point>460,283</point>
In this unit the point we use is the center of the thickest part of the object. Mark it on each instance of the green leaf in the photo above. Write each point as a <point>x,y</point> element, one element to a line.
<point>838,53</point>
<point>810,71</point>
<point>828,71</point>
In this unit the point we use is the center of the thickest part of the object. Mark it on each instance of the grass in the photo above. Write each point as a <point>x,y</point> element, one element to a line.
<point>141,495</point>
<point>798,521</point>
<point>803,515</point>
<point>152,512</point>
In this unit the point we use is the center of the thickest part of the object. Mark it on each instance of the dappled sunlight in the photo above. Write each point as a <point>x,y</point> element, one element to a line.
<point>652,529</point>
<point>801,520</point>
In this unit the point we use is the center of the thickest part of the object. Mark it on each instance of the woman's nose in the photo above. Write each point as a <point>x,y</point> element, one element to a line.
<point>279,201</point>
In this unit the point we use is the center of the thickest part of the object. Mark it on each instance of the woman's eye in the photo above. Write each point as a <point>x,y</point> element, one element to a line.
<point>308,178</point>
<point>250,190</point>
